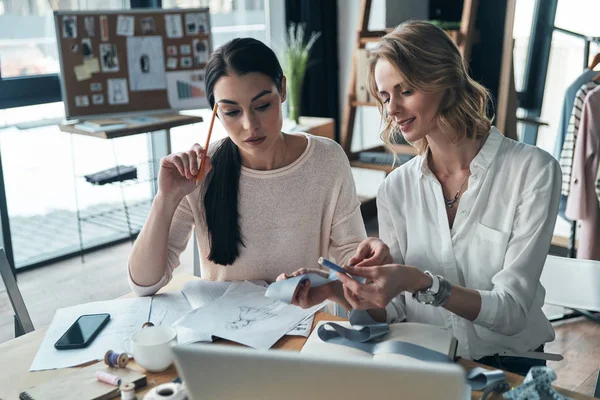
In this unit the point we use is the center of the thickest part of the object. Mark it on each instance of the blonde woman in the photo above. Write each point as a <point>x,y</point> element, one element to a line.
<point>468,221</point>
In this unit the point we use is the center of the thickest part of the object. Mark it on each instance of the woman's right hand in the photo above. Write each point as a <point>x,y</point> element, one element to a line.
<point>178,171</point>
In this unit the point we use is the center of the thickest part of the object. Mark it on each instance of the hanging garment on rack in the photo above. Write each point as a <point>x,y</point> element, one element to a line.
<point>569,99</point>
<point>582,204</point>
<point>569,146</point>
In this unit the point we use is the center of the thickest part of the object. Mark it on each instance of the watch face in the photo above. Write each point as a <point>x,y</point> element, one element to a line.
<point>425,297</point>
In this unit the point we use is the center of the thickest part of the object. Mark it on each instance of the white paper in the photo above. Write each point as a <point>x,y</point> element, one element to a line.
<point>69,26</point>
<point>200,47</point>
<point>243,315</point>
<point>125,25</point>
<point>109,58</point>
<point>167,308</point>
<point>303,328</point>
<point>117,91</point>
<point>89,24</point>
<point>126,317</point>
<point>173,26</point>
<point>195,23</point>
<point>146,63</point>
<point>186,89</point>
<point>201,292</point>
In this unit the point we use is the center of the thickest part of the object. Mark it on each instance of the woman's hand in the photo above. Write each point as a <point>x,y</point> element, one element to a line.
<point>383,283</point>
<point>372,251</point>
<point>178,171</point>
<point>307,297</point>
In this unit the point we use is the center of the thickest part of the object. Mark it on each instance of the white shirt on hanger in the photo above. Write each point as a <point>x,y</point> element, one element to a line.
<point>497,245</point>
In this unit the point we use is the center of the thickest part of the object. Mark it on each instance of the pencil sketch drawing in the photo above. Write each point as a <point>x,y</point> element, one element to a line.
<point>250,315</point>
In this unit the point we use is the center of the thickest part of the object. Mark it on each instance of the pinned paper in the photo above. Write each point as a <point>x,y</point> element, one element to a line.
<point>97,99</point>
<point>93,66</point>
<point>200,47</point>
<point>86,48</point>
<point>82,101</point>
<point>104,28</point>
<point>81,73</point>
<point>69,27</point>
<point>186,89</point>
<point>171,62</point>
<point>172,50</point>
<point>185,49</point>
<point>186,62</point>
<point>89,24</point>
<point>147,25</point>
<point>96,86</point>
<point>125,25</point>
<point>195,23</point>
<point>117,91</point>
<point>146,64</point>
<point>109,58</point>
<point>174,28</point>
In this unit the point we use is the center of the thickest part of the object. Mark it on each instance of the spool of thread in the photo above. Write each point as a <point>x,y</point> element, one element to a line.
<point>128,391</point>
<point>116,360</point>
<point>108,378</point>
<point>167,391</point>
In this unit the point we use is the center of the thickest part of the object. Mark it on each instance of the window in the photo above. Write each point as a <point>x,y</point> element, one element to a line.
<point>521,33</point>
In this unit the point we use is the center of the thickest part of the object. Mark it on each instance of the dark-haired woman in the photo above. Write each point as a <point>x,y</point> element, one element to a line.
<point>269,203</point>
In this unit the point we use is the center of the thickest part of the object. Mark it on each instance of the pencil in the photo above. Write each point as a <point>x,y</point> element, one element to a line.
<point>210,128</point>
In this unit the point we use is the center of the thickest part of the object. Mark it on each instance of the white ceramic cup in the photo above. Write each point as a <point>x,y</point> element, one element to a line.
<point>151,347</point>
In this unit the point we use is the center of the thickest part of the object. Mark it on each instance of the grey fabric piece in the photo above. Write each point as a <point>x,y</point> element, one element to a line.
<point>284,290</point>
<point>480,378</point>
<point>365,339</point>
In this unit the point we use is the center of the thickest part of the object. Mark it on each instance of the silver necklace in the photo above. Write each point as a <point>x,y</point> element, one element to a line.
<point>455,198</point>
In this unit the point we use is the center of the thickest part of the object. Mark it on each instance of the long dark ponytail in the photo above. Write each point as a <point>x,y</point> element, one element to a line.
<point>238,56</point>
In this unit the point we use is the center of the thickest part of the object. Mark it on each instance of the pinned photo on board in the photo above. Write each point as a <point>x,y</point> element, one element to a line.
<point>172,50</point>
<point>146,63</point>
<point>186,89</point>
<point>195,23</point>
<point>104,28</point>
<point>86,48</point>
<point>185,49</point>
<point>96,86</point>
<point>186,62</point>
<point>109,59</point>
<point>89,23</point>
<point>75,48</point>
<point>125,25</point>
<point>117,91</point>
<point>201,48</point>
<point>173,26</point>
<point>69,27</point>
<point>147,24</point>
<point>97,99</point>
<point>82,101</point>
<point>172,63</point>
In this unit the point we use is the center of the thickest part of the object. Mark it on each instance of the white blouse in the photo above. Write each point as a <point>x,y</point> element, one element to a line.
<point>497,245</point>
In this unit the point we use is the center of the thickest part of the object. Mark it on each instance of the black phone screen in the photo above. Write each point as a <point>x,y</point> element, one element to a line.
<point>83,331</point>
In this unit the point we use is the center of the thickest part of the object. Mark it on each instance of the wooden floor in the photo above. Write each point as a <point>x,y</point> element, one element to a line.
<point>103,276</point>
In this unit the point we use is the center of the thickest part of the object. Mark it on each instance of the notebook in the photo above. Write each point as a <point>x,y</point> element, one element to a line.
<point>430,336</point>
<point>81,383</point>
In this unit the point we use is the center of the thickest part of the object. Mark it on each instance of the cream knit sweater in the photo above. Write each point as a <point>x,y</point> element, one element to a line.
<point>289,217</point>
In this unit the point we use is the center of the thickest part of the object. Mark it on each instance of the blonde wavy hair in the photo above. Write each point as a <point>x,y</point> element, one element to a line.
<point>430,62</point>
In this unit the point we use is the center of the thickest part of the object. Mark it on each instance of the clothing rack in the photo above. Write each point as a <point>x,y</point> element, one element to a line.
<point>571,252</point>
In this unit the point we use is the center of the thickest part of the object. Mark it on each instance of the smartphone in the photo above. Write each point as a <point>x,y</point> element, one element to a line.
<point>82,332</point>
<point>331,265</point>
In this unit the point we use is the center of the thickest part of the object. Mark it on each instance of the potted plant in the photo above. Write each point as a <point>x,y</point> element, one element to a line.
<point>295,61</point>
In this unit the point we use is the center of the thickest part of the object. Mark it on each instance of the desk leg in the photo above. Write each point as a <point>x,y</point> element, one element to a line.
<point>123,200</point>
<point>79,229</point>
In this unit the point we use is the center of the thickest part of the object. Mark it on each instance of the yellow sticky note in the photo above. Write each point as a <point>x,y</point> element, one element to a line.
<point>81,73</point>
<point>92,65</point>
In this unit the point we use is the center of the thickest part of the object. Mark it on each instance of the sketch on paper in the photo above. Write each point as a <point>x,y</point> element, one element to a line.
<point>69,26</point>
<point>251,315</point>
<point>200,47</point>
<point>90,26</point>
<point>195,23</point>
<point>146,63</point>
<point>173,26</point>
<point>109,59</point>
<point>125,25</point>
<point>147,25</point>
<point>117,91</point>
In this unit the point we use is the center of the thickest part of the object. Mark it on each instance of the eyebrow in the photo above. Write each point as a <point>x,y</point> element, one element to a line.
<point>382,92</point>
<point>258,96</point>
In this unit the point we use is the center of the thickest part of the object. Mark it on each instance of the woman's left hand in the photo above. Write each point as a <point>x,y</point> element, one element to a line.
<point>307,297</point>
<point>383,283</point>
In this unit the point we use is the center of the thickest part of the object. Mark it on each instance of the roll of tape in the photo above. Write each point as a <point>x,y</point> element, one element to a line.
<point>167,391</point>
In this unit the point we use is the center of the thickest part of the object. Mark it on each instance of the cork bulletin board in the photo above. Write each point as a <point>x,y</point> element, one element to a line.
<point>132,61</point>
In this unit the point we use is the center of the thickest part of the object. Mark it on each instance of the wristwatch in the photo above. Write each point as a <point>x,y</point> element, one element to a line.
<point>428,296</point>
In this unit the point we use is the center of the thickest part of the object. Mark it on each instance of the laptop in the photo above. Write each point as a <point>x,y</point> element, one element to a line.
<point>212,371</point>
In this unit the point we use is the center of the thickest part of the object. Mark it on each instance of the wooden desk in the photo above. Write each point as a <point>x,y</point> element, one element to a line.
<point>16,356</point>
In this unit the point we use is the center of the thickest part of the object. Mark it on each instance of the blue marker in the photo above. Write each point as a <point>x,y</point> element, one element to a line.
<point>331,265</point>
